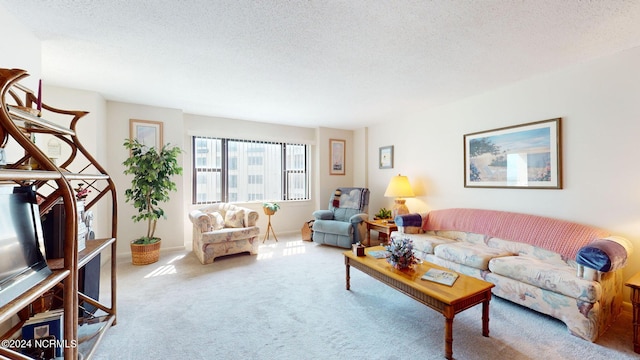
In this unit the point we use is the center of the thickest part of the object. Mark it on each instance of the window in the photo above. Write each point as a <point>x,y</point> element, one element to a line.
<point>229,170</point>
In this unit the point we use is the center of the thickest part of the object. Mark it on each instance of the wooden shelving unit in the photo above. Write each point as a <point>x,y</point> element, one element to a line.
<point>19,119</point>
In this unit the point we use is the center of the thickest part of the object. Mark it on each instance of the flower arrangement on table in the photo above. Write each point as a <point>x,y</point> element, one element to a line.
<point>401,256</point>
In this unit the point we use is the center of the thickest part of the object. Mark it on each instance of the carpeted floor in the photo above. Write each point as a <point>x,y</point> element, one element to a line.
<point>290,302</point>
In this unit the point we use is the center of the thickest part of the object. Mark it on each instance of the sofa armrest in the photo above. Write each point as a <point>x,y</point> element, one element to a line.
<point>323,215</point>
<point>200,220</point>
<point>605,255</point>
<point>409,223</point>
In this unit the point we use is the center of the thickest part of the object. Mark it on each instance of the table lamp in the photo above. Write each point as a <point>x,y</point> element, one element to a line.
<point>399,188</point>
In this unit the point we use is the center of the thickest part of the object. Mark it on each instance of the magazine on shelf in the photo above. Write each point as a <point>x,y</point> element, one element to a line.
<point>440,276</point>
<point>379,254</point>
<point>44,334</point>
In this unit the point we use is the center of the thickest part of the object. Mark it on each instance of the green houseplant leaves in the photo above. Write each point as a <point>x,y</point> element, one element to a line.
<point>151,183</point>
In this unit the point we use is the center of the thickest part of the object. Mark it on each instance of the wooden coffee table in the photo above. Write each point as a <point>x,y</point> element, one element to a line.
<point>465,293</point>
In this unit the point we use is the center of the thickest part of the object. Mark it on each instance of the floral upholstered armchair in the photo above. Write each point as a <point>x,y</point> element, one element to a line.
<point>223,229</point>
<point>343,223</point>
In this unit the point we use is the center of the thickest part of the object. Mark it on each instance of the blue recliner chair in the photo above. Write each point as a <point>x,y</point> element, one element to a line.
<point>344,223</point>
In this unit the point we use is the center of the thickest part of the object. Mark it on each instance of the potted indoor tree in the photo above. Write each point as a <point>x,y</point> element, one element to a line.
<point>150,186</point>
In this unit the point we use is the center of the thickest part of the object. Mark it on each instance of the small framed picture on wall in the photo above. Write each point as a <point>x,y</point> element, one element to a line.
<point>336,156</point>
<point>386,157</point>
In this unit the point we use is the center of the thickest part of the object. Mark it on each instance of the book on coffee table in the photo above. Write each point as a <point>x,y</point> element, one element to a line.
<point>440,276</point>
<point>379,254</point>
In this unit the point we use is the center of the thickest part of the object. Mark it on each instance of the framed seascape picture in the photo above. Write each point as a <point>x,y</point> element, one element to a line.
<point>385,157</point>
<point>148,133</point>
<point>523,156</point>
<point>336,156</point>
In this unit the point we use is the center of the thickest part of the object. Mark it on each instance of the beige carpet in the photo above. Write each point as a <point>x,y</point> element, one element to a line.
<point>290,302</point>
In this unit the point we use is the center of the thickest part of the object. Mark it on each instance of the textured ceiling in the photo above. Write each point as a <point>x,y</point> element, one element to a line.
<point>343,64</point>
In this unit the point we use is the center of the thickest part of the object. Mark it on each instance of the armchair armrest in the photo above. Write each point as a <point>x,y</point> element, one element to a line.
<point>200,220</point>
<point>606,254</point>
<point>323,215</point>
<point>250,216</point>
<point>358,218</point>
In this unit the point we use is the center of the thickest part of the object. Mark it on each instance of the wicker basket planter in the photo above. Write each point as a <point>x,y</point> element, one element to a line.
<point>268,211</point>
<point>144,254</point>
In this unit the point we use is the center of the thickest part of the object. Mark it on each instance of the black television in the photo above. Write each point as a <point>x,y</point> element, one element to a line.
<point>22,263</point>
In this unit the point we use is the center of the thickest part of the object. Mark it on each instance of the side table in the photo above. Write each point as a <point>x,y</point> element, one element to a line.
<point>381,226</point>
<point>634,284</point>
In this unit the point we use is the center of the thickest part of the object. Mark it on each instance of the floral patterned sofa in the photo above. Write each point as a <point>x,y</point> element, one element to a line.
<point>223,229</point>
<point>566,270</point>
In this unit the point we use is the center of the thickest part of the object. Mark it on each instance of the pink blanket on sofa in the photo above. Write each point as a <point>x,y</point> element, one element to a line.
<point>563,237</point>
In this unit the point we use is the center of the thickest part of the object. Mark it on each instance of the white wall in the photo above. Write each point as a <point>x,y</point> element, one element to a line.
<point>361,157</point>
<point>326,184</point>
<point>20,48</point>
<point>600,111</point>
<point>170,229</point>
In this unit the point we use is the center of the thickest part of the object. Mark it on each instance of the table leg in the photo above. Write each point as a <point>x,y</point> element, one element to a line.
<point>347,277</point>
<point>448,337</point>
<point>635,301</point>
<point>485,315</point>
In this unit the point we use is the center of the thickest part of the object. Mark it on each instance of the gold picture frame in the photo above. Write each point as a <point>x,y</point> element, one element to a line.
<point>526,156</point>
<point>147,132</point>
<point>337,157</point>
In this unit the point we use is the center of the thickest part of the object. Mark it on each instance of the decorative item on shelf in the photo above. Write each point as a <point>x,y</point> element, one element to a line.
<point>399,188</point>
<point>401,256</point>
<point>39,100</point>
<point>81,192</point>
<point>269,209</point>
<point>152,170</point>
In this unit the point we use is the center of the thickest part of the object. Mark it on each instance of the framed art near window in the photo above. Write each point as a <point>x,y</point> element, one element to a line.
<point>336,156</point>
<point>385,157</point>
<point>523,156</point>
<point>148,133</point>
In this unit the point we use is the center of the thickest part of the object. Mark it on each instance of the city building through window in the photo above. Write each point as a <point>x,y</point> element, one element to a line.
<point>232,170</point>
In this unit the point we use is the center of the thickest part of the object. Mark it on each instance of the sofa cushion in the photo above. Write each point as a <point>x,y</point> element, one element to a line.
<point>427,243</point>
<point>234,218</point>
<point>554,277</point>
<point>462,236</point>
<point>524,249</point>
<point>216,220</point>
<point>474,255</point>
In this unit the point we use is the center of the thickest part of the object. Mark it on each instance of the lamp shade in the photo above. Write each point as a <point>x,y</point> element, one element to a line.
<point>399,187</point>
